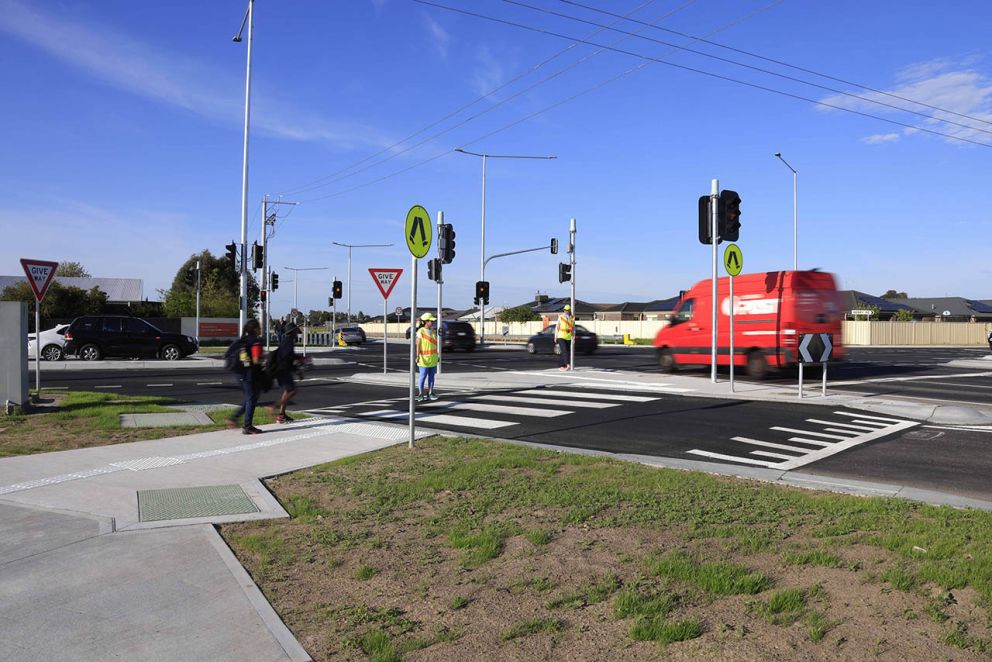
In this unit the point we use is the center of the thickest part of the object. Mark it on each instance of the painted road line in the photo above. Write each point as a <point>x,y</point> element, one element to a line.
<point>54,388</point>
<point>615,384</point>
<point>815,434</point>
<point>833,449</point>
<point>443,419</point>
<point>874,418</point>
<point>860,428</point>
<point>768,444</point>
<point>875,424</point>
<point>498,409</point>
<point>114,386</point>
<point>855,382</point>
<point>849,433</point>
<point>209,383</point>
<point>775,455</point>
<point>158,384</point>
<point>733,458</point>
<point>801,440</point>
<point>549,401</point>
<point>591,396</point>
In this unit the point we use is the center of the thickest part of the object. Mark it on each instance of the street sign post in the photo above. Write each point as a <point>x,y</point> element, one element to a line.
<point>385,280</point>
<point>733,262</point>
<point>814,348</point>
<point>418,233</point>
<point>40,274</point>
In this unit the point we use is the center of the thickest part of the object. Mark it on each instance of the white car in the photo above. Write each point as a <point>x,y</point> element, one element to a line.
<point>52,343</point>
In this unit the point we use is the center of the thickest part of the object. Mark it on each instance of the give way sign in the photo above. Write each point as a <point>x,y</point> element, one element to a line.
<point>385,279</point>
<point>40,274</point>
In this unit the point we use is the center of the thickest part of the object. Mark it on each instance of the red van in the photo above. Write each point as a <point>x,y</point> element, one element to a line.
<point>771,311</point>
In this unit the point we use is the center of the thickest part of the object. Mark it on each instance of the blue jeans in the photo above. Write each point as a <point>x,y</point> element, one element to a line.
<point>250,391</point>
<point>427,375</point>
<point>565,351</point>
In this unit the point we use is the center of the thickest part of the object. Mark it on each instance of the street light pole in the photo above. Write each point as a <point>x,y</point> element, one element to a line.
<point>349,247</point>
<point>795,212</point>
<point>243,306</point>
<point>482,252</point>
<point>198,302</point>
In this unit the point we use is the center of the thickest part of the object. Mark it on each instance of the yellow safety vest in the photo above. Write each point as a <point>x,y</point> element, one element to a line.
<point>426,348</point>
<point>563,329</point>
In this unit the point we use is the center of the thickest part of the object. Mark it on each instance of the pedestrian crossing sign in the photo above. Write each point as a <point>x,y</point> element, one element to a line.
<point>418,231</point>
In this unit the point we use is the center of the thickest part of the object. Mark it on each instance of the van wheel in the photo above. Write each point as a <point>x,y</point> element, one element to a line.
<point>667,362</point>
<point>89,353</point>
<point>757,365</point>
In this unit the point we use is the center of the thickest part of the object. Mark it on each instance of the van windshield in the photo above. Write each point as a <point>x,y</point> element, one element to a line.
<point>684,312</point>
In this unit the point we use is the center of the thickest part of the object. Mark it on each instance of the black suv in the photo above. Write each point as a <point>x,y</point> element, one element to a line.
<point>92,337</point>
<point>458,335</point>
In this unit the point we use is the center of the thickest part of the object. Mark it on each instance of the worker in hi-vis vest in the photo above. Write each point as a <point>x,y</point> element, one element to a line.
<point>427,357</point>
<point>563,336</point>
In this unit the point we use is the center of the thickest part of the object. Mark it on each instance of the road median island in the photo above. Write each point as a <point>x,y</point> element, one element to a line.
<point>464,549</point>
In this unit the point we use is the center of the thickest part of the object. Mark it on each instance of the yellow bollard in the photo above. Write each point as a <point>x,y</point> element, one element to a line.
<point>627,340</point>
<point>341,342</point>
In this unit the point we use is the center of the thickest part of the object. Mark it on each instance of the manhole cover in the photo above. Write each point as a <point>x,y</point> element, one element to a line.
<point>185,502</point>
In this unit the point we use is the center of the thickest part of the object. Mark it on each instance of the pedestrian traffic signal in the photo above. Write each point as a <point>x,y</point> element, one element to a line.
<point>264,295</point>
<point>482,292</point>
<point>232,253</point>
<point>564,272</point>
<point>256,256</point>
<point>191,274</point>
<point>330,302</point>
<point>434,269</point>
<point>446,244</point>
<point>705,220</point>
<point>275,282</point>
<point>729,218</point>
<point>336,289</point>
<point>554,246</point>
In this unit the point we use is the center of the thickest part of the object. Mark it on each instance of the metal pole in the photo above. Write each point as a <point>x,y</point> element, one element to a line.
<point>268,307</point>
<point>714,194</point>
<point>243,308</point>
<point>197,302</point>
<point>482,258</point>
<point>571,250</point>
<point>440,284</point>
<point>731,334</point>
<point>349,285</point>
<point>795,222</point>
<point>800,380</point>
<point>334,319</point>
<point>413,346</point>
<point>385,334</point>
<point>37,350</point>
<point>824,391</point>
<point>265,262</point>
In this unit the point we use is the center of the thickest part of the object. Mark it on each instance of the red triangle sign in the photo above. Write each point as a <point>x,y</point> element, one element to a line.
<point>385,279</point>
<point>40,274</point>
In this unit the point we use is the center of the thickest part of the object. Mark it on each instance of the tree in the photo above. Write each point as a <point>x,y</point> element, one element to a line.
<point>72,270</point>
<point>522,313</point>
<point>875,310</point>
<point>219,289</point>
<point>61,302</point>
<point>903,315</point>
<point>892,294</point>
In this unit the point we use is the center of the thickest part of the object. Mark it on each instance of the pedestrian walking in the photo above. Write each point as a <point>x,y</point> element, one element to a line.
<point>248,366</point>
<point>285,362</point>
<point>427,356</point>
<point>990,340</point>
<point>563,337</point>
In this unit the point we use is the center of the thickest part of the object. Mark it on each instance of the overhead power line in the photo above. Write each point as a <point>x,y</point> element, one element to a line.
<point>701,72</point>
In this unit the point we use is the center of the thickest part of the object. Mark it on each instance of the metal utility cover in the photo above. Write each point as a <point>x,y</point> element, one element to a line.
<point>186,502</point>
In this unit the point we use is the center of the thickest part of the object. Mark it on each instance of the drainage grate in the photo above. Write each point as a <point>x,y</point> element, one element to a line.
<point>184,502</point>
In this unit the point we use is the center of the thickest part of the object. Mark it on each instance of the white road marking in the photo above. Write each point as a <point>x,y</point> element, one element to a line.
<point>777,455</point>
<point>54,388</point>
<point>855,382</point>
<point>768,444</point>
<point>499,409</point>
<point>811,441</point>
<point>875,425</point>
<point>114,386</point>
<point>443,419</point>
<point>732,458</point>
<point>615,384</point>
<point>876,418</point>
<point>815,434</point>
<point>158,384</point>
<point>591,396</point>
<point>840,425</point>
<point>549,401</point>
<point>209,383</point>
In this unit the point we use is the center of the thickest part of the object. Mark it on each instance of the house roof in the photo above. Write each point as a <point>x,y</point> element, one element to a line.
<point>120,290</point>
<point>854,300</point>
<point>557,304</point>
<point>662,305</point>
<point>625,307</point>
<point>955,306</point>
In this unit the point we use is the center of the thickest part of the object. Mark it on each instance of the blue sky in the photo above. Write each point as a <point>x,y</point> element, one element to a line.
<point>122,138</point>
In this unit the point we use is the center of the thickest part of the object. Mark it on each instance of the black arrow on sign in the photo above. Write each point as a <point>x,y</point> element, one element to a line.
<point>418,223</point>
<point>733,260</point>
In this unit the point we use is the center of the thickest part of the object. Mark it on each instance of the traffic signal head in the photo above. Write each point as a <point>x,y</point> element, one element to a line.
<point>232,253</point>
<point>554,246</point>
<point>705,221</point>
<point>264,295</point>
<point>729,223</point>
<point>434,269</point>
<point>564,272</point>
<point>275,282</point>
<point>256,256</point>
<point>336,289</point>
<point>482,292</point>
<point>446,243</point>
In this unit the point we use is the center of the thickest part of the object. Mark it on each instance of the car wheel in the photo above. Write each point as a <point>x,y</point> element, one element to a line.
<point>90,353</point>
<point>667,362</point>
<point>757,365</point>
<point>52,353</point>
<point>531,349</point>
<point>171,353</point>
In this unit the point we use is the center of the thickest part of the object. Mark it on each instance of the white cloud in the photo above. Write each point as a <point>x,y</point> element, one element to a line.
<point>172,78</point>
<point>439,36</point>
<point>951,85</point>
<point>489,73</point>
<point>879,138</point>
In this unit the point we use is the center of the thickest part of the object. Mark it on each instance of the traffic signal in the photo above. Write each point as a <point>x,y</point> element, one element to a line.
<point>434,269</point>
<point>232,253</point>
<point>482,292</point>
<point>564,272</point>
<point>275,282</point>
<point>264,295</point>
<point>191,274</point>
<point>554,246</point>
<point>729,218</point>
<point>256,256</point>
<point>330,302</point>
<point>705,221</point>
<point>336,289</point>
<point>446,243</point>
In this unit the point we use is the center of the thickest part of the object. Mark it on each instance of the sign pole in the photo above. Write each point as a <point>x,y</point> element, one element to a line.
<point>37,348</point>
<point>413,344</point>
<point>800,380</point>
<point>440,286</point>
<point>714,240</point>
<point>385,334</point>
<point>571,252</point>
<point>40,274</point>
<point>334,320</point>
<point>731,334</point>
<point>824,392</point>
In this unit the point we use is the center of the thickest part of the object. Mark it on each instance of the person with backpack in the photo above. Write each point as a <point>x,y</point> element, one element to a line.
<point>282,363</point>
<point>244,358</point>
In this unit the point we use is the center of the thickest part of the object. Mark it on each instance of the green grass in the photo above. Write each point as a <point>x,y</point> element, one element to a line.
<point>459,602</point>
<point>784,607</point>
<point>365,572</point>
<point>665,632</point>
<point>714,578</point>
<point>814,557</point>
<point>587,594</point>
<point>538,537</point>
<point>901,578</point>
<point>534,626</point>
<point>632,602</point>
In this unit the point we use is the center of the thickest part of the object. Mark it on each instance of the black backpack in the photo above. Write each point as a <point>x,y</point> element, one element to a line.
<point>232,357</point>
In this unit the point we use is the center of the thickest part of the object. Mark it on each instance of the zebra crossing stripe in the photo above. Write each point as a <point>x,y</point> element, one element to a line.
<point>768,444</point>
<point>443,419</point>
<point>549,401</point>
<point>590,396</point>
<point>500,409</point>
<point>859,428</point>
<point>815,434</point>
<point>874,418</point>
<point>733,458</point>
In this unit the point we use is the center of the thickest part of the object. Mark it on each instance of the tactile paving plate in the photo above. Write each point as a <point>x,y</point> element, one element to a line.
<point>185,502</point>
